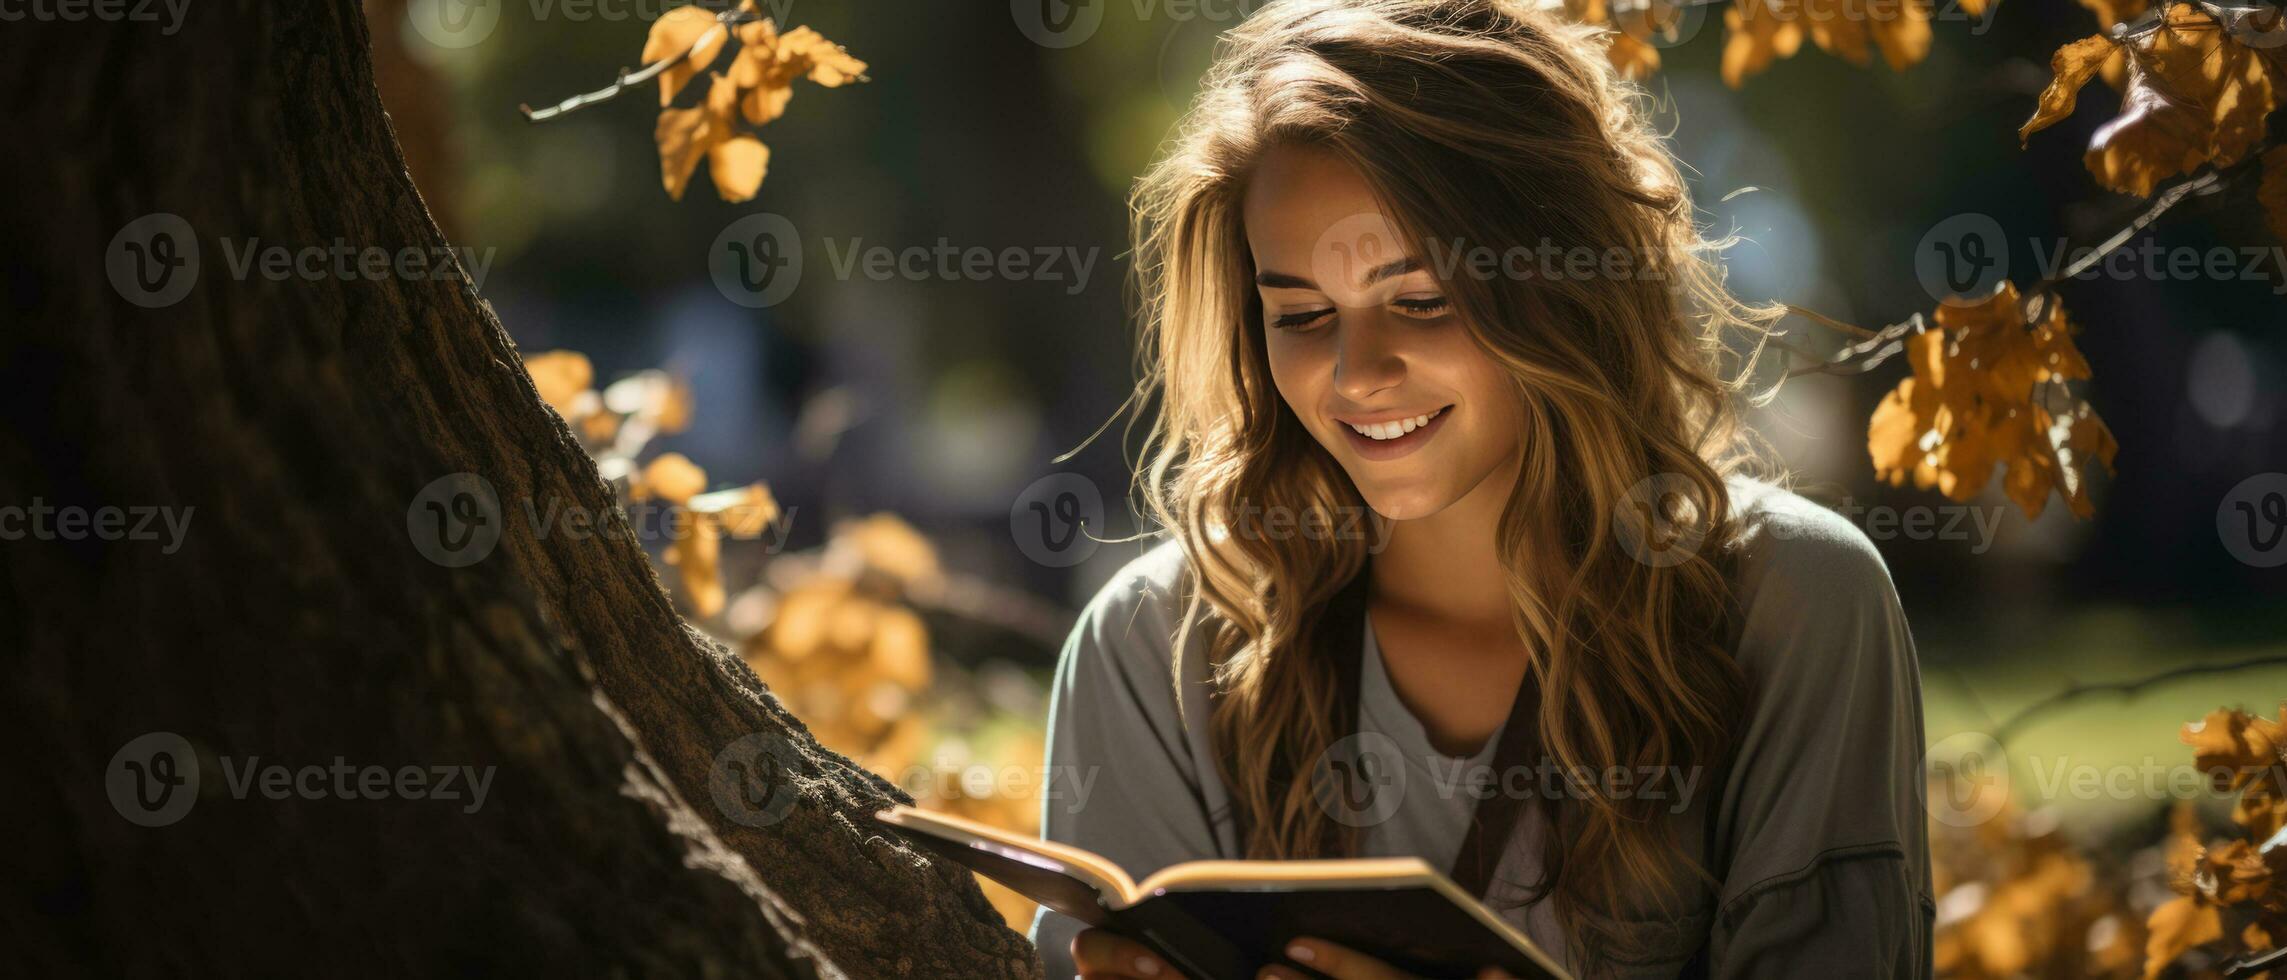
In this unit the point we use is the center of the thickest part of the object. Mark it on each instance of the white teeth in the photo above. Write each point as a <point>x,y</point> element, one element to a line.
<point>1383,431</point>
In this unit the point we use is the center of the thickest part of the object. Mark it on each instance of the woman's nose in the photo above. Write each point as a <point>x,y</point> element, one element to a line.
<point>1367,358</point>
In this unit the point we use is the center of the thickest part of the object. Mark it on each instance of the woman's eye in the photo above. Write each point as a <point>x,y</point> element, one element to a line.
<point>1425,308</point>
<point>1296,321</point>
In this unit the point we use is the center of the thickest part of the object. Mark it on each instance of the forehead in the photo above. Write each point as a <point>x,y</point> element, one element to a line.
<point>1306,207</point>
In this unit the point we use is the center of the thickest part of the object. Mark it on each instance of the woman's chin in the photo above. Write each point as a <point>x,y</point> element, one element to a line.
<point>1406,503</point>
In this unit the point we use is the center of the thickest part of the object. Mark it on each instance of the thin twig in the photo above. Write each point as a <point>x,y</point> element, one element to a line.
<point>2159,205</point>
<point>723,22</point>
<point>2129,688</point>
<point>2255,963</point>
<point>1828,322</point>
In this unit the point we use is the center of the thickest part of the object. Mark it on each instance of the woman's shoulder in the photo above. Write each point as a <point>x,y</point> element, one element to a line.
<point>1136,614</point>
<point>1793,549</point>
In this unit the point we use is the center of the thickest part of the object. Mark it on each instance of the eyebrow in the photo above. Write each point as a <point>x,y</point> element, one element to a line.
<point>1281,280</point>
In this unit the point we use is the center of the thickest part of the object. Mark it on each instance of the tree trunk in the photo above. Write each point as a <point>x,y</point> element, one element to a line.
<point>650,810</point>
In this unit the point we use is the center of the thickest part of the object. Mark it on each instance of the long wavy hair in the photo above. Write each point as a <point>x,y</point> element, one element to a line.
<point>1480,124</point>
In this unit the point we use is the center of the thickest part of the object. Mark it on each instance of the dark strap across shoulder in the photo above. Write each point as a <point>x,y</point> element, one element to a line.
<point>1342,641</point>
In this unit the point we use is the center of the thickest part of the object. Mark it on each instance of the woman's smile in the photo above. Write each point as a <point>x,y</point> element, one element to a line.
<point>1382,436</point>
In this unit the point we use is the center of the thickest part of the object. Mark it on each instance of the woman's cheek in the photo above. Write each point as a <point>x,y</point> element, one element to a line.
<point>1296,373</point>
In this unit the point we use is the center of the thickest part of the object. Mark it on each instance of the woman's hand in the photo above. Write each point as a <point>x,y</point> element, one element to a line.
<point>1343,963</point>
<point>1100,955</point>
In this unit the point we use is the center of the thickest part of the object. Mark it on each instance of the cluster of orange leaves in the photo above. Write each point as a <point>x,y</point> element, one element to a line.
<point>839,643</point>
<point>2016,900</point>
<point>615,424</point>
<point>836,638</point>
<point>754,91</point>
<point>1760,32</point>
<point>1988,389</point>
<point>2195,90</point>
<point>2231,894</point>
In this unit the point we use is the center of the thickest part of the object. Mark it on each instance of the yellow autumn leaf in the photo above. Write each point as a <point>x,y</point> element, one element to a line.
<point>757,86</point>
<point>743,512</point>
<point>2111,14</point>
<point>737,165</point>
<point>2194,95</point>
<point>808,53</point>
<point>689,34</point>
<point>1758,33</point>
<point>1838,27</point>
<point>2155,137</point>
<point>697,553</point>
<point>1902,31</point>
<point>671,477</point>
<point>687,136</point>
<point>561,376</point>
<point>675,407</point>
<point>2177,926</point>
<point>2071,67</point>
<point>1972,404</point>
<point>1632,58</point>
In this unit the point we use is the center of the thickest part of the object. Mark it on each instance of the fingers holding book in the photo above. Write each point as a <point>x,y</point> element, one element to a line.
<point>1102,955</point>
<point>1342,963</point>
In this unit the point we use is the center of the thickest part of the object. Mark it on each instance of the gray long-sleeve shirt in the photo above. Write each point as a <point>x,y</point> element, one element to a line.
<point>1815,830</point>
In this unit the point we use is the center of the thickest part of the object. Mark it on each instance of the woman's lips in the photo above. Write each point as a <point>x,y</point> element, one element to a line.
<point>1377,450</point>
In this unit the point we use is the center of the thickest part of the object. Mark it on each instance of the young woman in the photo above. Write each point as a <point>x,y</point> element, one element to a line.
<point>1457,499</point>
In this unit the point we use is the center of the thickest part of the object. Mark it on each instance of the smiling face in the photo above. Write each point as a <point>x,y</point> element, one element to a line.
<point>1364,345</point>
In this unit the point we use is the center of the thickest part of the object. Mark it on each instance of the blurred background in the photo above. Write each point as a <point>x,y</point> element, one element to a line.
<point>904,424</point>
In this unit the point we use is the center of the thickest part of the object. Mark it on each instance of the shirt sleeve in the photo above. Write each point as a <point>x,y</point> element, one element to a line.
<point>1821,832</point>
<point>1114,730</point>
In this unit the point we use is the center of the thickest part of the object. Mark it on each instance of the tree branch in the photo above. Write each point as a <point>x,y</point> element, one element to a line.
<point>2129,688</point>
<point>723,22</point>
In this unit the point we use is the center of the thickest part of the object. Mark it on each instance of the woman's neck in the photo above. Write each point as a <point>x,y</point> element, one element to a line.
<point>1447,566</point>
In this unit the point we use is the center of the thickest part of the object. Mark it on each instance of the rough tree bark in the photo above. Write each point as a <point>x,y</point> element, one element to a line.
<point>298,623</point>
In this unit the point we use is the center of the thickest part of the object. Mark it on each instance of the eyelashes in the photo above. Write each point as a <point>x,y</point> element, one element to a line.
<point>1292,321</point>
<point>1420,309</point>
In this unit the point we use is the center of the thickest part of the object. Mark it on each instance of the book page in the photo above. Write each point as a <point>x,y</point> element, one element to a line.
<point>1288,875</point>
<point>1090,868</point>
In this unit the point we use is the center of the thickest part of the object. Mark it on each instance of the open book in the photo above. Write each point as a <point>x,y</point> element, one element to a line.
<point>1225,920</point>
